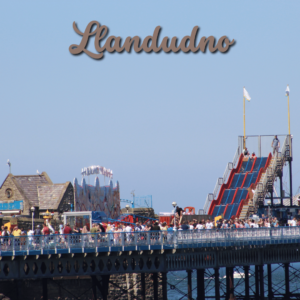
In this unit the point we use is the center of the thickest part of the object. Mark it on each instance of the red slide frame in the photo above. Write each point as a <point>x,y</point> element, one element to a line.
<point>225,185</point>
<point>253,185</point>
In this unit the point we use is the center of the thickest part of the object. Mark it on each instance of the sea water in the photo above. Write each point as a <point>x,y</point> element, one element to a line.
<point>179,280</point>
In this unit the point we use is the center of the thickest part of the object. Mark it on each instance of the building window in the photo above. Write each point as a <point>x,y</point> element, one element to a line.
<point>8,193</point>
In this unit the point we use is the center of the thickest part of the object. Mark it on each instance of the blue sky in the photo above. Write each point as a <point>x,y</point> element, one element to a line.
<point>166,124</point>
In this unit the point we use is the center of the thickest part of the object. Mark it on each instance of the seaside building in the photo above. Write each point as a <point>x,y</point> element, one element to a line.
<point>18,194</point>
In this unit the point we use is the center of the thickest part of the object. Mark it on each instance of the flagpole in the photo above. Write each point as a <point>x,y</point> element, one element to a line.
<point>244,126</point>
<point>289,112</point>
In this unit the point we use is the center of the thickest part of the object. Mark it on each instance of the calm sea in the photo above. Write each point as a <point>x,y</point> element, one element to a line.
<point>179,280</point>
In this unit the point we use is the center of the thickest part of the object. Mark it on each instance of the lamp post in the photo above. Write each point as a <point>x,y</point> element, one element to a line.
<point>174,205</point>
<point>9,164</point>
<point>127,207</point>
<point>32,210</point>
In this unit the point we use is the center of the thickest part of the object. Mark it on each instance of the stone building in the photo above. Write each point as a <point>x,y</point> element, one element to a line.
<point>19,193</point>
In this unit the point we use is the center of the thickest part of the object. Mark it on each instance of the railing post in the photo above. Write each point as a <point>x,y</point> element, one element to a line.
<point>175,238</point>
<point>123,237</point>
<point>148,237</point>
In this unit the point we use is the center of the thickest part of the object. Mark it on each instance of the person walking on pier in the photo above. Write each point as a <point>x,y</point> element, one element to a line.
<point>275,144</point>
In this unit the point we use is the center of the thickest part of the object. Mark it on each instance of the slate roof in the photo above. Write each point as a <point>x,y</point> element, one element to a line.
<point>50,195</point>
<point>29,183</point>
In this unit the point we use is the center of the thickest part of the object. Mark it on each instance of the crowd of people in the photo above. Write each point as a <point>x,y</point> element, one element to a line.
<point>265,222</point>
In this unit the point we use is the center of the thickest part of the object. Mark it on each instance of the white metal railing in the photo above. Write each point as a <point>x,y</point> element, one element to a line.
<point>206,204</point>
<point>236,156</point>
<point>114,241</point>
<point>216,189</point>
<point>223,180</point>
<point>273,167</point>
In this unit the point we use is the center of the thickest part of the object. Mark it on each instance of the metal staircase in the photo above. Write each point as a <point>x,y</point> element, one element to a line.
<point>267,179</point>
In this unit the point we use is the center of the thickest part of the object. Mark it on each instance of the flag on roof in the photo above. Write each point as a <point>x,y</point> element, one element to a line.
<point>246,95</point>
<point>287,91</point>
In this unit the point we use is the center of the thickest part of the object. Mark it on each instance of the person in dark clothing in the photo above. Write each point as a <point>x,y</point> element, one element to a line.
<point>156,226</point>
<point>179,211</point>
<point>149,226</point>
<point>102,229</point>
<point>184,226</point>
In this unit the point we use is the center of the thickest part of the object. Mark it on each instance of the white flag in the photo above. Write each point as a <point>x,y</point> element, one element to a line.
<point>287,91</point>
<point>246,95</point>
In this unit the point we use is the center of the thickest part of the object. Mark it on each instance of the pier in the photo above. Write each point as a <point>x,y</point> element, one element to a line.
<point>158,253</point>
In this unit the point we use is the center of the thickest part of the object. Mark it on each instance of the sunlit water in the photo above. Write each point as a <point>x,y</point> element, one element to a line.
<point>179,280</point>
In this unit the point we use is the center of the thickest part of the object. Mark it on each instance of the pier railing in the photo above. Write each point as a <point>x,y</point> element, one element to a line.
<point>146,240</point>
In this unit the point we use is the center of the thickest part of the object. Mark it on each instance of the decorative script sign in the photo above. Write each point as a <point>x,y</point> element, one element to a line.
<point>149,44</point>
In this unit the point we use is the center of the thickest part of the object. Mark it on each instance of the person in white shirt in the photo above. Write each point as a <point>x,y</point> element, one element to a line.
<point>252,224</point>
<point>199,226</point>
<point>191,226</point>
<point>209,225</point>
<point>30,233</point>
<point>293,222</point>
<point>61,229</point>
<point>128,230</point>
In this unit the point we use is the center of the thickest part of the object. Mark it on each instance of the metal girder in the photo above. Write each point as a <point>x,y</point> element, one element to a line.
<point>93,264</point>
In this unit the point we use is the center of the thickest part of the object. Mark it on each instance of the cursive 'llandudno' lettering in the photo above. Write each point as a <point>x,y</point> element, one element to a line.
<point>149,44</point>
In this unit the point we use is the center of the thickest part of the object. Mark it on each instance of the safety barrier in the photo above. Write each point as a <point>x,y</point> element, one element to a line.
<point>220,181</point>
<point>146,240</point>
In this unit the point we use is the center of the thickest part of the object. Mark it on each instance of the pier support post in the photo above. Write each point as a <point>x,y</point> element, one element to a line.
<point>246,271</point>
<point>229,282</point>
<point>94,286</point>
<point>164,285</point>
<point>155,285</point>
<point>19,288</point>
<point>189,272</point>
<point>217,284</point>
<point>143,286</point>
<point>287,280</point>
<point>102,285</point>
<point>45,289</point>
<point>256,283</point>
<point>270,291</point>
<point>105,283</point>
<point>261,282</point>
<point>200,285</point>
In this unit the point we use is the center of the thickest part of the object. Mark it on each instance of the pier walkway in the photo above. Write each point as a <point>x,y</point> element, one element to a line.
<point>149,240</point>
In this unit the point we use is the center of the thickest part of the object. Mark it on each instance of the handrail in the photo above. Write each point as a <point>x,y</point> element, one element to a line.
<point>146,240</point>
<point>226,172</point>
<point>216,189</point>
<point>272,168</point>
<point>207,203</point>
<point>236,156</point>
